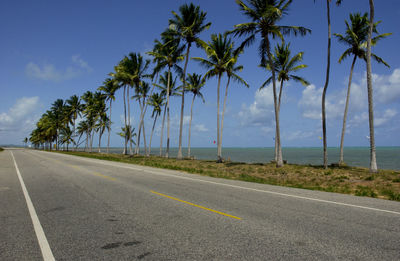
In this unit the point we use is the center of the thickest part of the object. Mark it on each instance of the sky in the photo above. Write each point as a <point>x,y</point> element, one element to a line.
<point>55,49</point>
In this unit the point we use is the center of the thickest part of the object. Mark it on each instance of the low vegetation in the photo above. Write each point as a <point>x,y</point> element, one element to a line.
<point>1,149</point>
<point>341,179</point>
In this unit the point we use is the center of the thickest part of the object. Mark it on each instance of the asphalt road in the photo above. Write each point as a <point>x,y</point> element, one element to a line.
<point>99,210</point>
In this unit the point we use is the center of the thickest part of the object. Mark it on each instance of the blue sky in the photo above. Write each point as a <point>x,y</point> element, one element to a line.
<point>55,49</point>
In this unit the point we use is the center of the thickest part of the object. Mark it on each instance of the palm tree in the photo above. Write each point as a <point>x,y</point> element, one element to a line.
<point>66,136</point>
<point>109,88</point>
<point>167,53</point>
<point>264,15</point>
<point>83,128</point>
<point>195,83</point>
<point>373,167</point>
<point>75,108</point>
<point>141,93</point>
<point>356,38</point>
<point>231,70</point>
<point>188,25</point>
<point>285,66</point>
<point>135,70</point>
<point>102,124</point>
<point>128,133</point>
<point>220,57</point>
<point>122,80</point>
<point>168,88</point>
<point>157,101</point>
<point>58,111</point>
<point>328,66</point>
<point>25,140</point>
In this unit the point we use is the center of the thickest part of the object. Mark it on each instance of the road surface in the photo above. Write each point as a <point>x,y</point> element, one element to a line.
<point>62,207</point>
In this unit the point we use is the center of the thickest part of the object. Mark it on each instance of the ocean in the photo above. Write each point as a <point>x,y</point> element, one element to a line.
<point>387,157</point>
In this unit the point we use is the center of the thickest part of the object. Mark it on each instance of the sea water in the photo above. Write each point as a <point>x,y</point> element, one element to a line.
<point>387,157</point>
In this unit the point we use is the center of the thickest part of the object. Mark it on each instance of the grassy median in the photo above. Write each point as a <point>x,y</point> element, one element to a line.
<point>348,180</point>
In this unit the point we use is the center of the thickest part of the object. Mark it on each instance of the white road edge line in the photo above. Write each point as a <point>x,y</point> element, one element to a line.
<point>235,186</point>
<point>43,243</point>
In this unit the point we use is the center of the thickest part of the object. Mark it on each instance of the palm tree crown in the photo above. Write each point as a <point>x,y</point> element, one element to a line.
<point>264,16</point>
<point>356,38</point>
<point>285,65</point>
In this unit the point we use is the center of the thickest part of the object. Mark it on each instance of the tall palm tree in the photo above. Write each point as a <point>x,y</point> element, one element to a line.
<point>264,15</point>
<point>141,94</point>
<point>373,167</point>
<point>188,25</point>
<point>83,128</point>
<point>167,53</point>
<point>285,66</point>
<point>156,101</point>
<point>75,108</point>
<point>356,38</point>
<point>103,123</point>
<point>219,53</point>
<point>231,70</point>
<point>66,136</point>
<point>130,72</point>
<point>109,87</point>
<point>119,76</point>
<point>168,88</point>
<point>58,111</point>
<point>328,66</point>
<point>195,83</point>
<point>135,70</point>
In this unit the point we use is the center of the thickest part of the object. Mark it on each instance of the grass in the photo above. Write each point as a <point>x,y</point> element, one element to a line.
<point>340,179</point>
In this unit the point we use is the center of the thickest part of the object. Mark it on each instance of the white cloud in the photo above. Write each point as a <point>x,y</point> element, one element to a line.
<point>186,120</point>
<point>49,72</point>
<point>300,135</point>
<point>200,128</point>
<point>46,72</point>
<point>385,117</point>
<point>261,111</point>
<point>387,87</point>
<point>76,59</point>
<point>19,120</point>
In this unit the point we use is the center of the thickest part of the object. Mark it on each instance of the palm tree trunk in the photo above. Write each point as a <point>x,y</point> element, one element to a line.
<point>144,133</point>
<point>223,112</point>
<point>328,65</point>
<point>144,112</point>
<point>373,165</point>
<point>168,119</point>
<point>74,134</point>
<point>109,131</point>
<point>279,161</point>
<point>278,147</point>
<point>100,134</point>
<point>219,156</point>
<point>91,141</point>
<point>180,156</point>
<point>144,139</point>
<point>126,141</point>
<point>341,161</point>
<point>137,148</point>
<point>129,120</point>
<point>162,129</point>
<point>151,136</point>
<point>190,124</point>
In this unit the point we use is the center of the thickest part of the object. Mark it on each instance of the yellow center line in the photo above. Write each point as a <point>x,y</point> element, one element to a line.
<point>195,205</point>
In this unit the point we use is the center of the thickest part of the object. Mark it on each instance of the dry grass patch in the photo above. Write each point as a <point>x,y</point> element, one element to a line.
<point>349,180</point>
